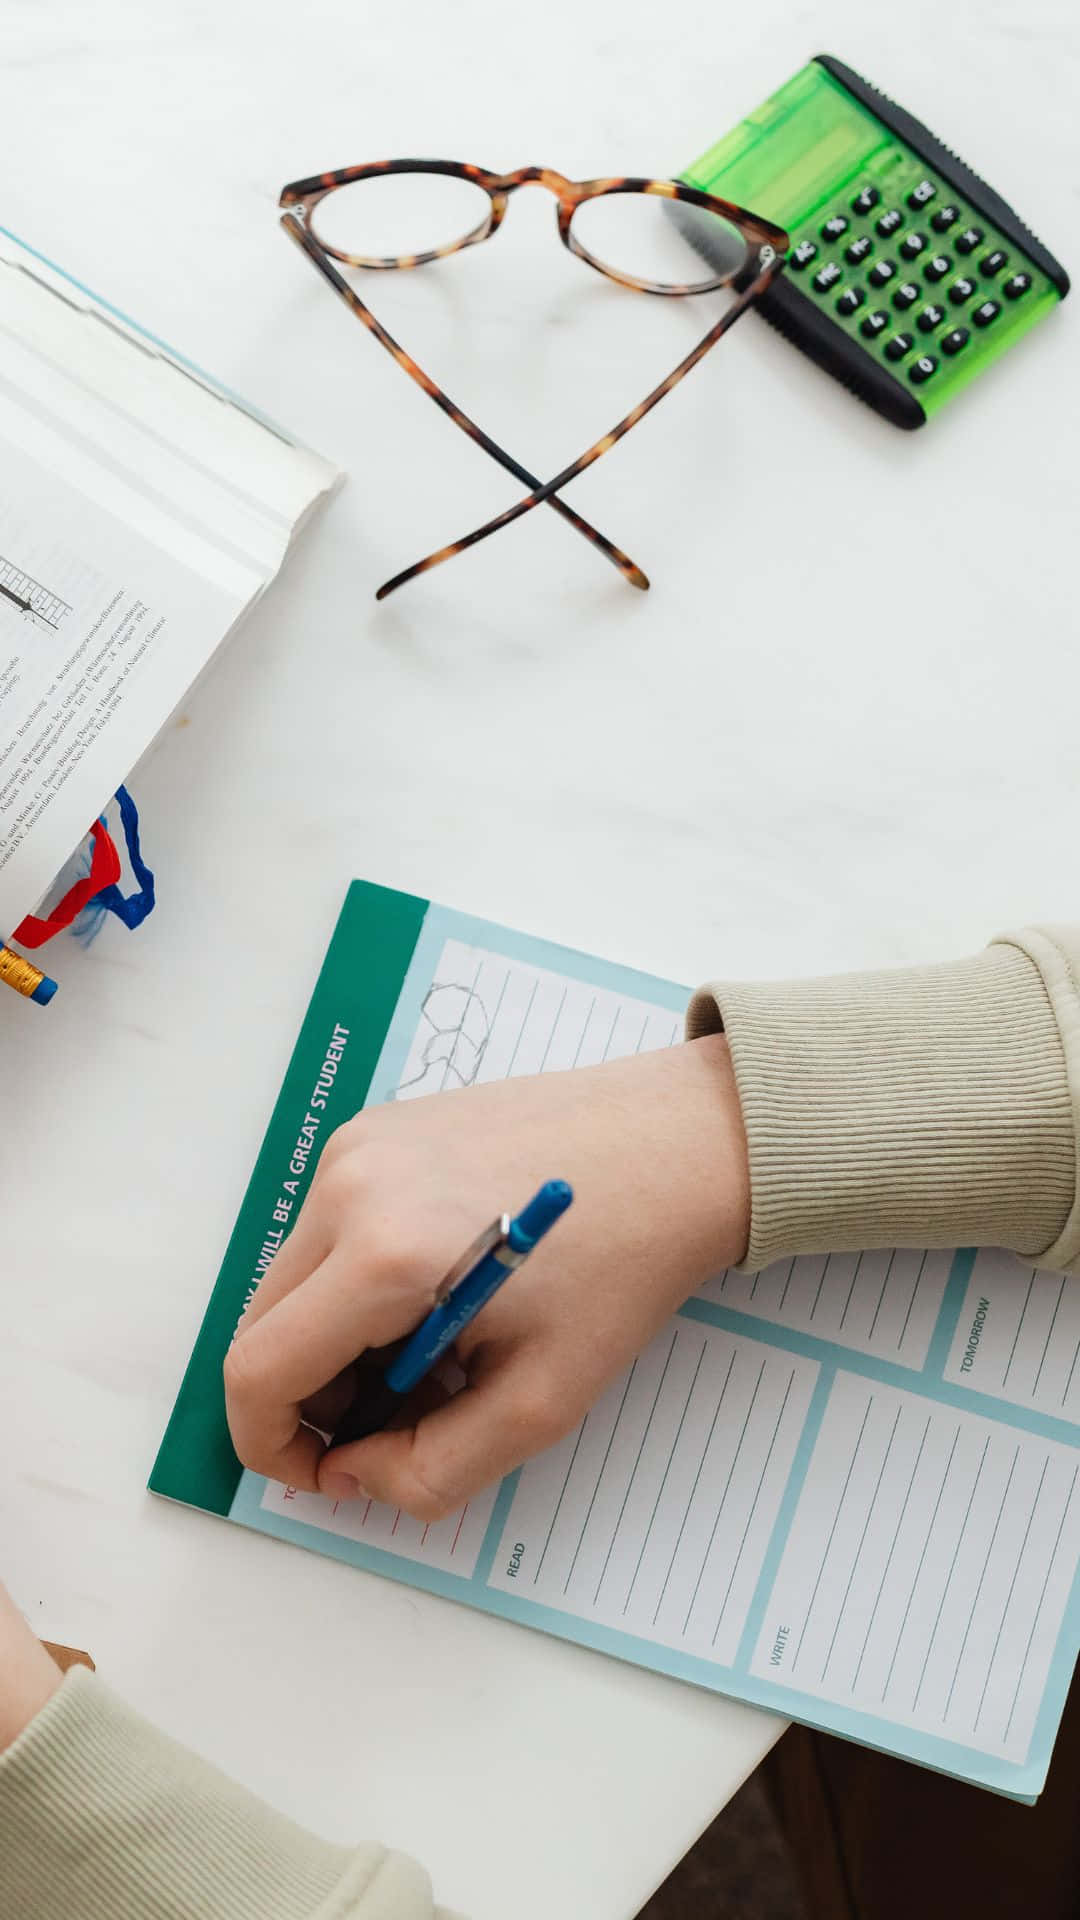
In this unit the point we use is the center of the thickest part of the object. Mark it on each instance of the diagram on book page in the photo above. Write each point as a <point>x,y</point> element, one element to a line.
<point>31,598</point>
<point>91,617</point>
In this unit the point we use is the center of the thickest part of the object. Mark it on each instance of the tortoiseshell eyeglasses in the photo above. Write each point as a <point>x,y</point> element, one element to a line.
<point>361,216</point>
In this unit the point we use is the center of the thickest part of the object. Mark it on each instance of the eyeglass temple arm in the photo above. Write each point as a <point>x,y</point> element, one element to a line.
<point>631,419</point>
<point>629,569</point>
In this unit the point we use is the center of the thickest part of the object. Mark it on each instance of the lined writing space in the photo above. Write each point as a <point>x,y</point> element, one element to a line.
<point>485,1017</point>
<point>452,1544</point>
<point>928,1568</point>
<point>1018,1336</point>
<point>655,1514</point>
<point>885,1303</point>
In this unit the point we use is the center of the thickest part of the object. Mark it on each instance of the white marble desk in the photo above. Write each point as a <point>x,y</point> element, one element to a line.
<point>839,731</point>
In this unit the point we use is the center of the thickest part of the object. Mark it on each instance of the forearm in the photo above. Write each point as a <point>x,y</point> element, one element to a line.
<point>28,1677</point>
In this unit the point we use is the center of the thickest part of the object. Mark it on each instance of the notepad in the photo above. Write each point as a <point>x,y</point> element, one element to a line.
<point>844,1489</point>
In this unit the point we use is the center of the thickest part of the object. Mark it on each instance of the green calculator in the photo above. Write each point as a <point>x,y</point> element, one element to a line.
<point>907,274</point>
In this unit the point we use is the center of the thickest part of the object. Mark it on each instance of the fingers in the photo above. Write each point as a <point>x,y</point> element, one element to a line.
<point>305,1249</point>
<point>305,1340</point>
<point>479,1435</point>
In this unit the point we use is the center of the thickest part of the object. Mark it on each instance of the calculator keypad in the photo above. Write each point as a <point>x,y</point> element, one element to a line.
<point>947,300</point>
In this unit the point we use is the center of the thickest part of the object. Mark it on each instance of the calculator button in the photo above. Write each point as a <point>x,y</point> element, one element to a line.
<point>992,263</point>
<point>920,195</point>
<point>945,217</point>
<point>850,302</point>
<point>930,317</point>
<point>971,238</point>
<point>865,199</point>
<point>938,267</point>
<point>826,276</point>
<point>889,221</point>
<point>905,296</point>
<point>1015,285</point>
<point>834,227</point>
<point>874,323</point>
<point>803,254</point>
<point>900,344</point>
<point>956,338</point>
<point>962,290</point>
<point>912,245</point>
<point>986,313</point>
<point>922,369</point>
<point>859,249</point>
<point>880,275</point>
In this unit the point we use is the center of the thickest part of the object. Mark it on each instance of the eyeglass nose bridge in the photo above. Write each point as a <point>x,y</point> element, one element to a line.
<point>556,183</point>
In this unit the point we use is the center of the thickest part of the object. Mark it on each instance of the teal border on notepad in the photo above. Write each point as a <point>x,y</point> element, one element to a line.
<point>1017,1781</point>
<point>171,353</point>
<point>358,985</point>
<point>925,1380</point>
<point>952,1305</point>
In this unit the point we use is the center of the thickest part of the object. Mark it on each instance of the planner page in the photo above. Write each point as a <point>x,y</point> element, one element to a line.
<point>844,1487</point>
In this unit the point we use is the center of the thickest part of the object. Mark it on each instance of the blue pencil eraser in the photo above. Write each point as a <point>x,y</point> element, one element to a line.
<point>44,993</point>
<point>541,1213</point>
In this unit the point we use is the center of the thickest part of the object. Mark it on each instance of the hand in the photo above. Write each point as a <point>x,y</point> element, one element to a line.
<point>654,1149</point>
<point>28,1678</point>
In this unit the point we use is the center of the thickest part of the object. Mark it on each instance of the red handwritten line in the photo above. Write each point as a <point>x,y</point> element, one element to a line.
<point>424,1535</point>
<point>334,1508</point>
<point>460,1524</point>
<point>367,1510</point>
<point>397,1517</point>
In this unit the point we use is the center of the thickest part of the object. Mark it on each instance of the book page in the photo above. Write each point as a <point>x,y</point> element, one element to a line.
<point>101,633</point>
<point>141,512</point>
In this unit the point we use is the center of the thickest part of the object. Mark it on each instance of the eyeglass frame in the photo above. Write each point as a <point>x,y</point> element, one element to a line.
<point>300,198</point>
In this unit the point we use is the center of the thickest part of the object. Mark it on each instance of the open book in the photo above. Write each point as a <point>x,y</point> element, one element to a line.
<point>847,1489</point>
<point>142,510</point>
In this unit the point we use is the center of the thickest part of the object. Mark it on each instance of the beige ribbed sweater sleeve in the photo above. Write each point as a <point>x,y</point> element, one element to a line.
<point>104,1818</point>
<point>930,1107</point>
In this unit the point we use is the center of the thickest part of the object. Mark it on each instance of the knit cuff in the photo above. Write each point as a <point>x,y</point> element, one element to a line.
<point>104,1817</point>
<point>927,1107</point>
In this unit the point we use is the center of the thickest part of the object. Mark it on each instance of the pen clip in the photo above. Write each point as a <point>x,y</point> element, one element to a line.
<point>487,1242</point>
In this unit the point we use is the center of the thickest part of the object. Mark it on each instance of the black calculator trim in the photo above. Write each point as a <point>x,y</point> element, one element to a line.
<point>949,165</point>
<point>814,331</point>
<point>792,312</point>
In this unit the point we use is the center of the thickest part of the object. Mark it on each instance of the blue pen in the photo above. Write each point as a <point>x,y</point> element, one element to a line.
<point>467,1288</point>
